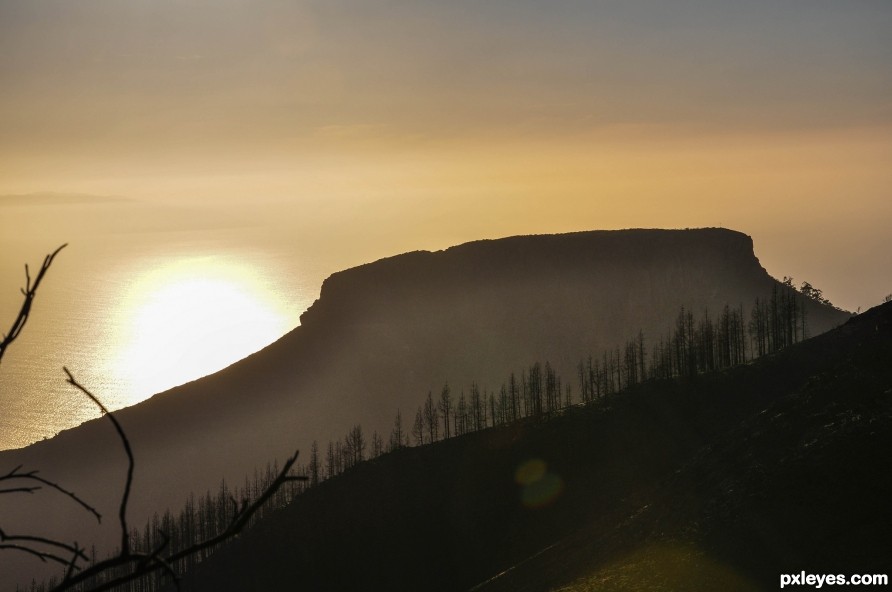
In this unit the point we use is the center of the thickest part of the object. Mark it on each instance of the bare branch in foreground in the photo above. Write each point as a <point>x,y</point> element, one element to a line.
<point>122,512</point>
<point>17,542</point>
<point>32,476</point>
<point>42,555</point>
<point>29,291</point>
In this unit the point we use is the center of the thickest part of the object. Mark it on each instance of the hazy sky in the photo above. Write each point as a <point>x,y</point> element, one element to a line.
<point>386,126</point>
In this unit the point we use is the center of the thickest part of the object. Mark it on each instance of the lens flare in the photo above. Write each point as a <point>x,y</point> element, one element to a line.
<point>539,488</point>
<point>530,472</point>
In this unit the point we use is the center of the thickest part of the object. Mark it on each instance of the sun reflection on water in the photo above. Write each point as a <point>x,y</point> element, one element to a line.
<point>191,317</point>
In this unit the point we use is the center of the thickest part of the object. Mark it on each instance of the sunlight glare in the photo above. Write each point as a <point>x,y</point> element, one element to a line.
<point>190,318</point>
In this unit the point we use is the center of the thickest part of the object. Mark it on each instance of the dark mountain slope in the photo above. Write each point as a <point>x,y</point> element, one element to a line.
<point>382,335</point>
<point>718,483</point>
<point>801,485</point>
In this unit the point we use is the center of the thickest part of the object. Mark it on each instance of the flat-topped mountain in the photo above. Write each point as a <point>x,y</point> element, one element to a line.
<point>380,337</point>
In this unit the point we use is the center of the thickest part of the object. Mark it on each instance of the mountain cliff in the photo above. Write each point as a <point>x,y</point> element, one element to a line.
<point>379,338</point>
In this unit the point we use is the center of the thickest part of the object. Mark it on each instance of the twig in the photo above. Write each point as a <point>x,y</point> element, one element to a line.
<point>29,291</point>
<point>122,513</point>
<point>72,565</point>
<point>32,476</point>
<point>42,555</point>
<point>15,540</point>
<point>31,489</point>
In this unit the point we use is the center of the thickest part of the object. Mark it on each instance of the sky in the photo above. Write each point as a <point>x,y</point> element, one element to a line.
<point>367,128</point>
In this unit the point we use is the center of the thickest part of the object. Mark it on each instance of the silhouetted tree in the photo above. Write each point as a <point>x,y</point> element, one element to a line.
<point>503,412</point>
<point>513,398</point>
<point>584,384</point>
<point>314,464</point>
<point>377,445</point>
<point>641,356</point>
<point>431,418</point>
<point>813,293</point>
<point>630,365</point>
<point>397,435</point>
<point>356,445</point>
<point>460,421</point>
<point>534,390</point>
<point>445,405</point>
<point>331,462</point>
<point>418,427</point>
<point>552,390</point>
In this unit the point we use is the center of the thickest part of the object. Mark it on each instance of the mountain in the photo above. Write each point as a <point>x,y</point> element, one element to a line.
<point>721,482</point>
<point>378,339</point>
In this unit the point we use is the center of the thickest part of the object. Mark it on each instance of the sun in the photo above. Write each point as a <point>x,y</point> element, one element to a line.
<point>189,318</point>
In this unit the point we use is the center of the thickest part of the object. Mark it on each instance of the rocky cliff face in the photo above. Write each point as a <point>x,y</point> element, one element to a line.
<point>480,310</point>
<point>380,337</point>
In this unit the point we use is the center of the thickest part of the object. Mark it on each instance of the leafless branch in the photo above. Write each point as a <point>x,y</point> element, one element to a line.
<point>31,489</point>
<point>17,542</point>
<point>72,565</point>
<point>29,291</point>
<point>42,555</point>
<point>33,476</point>
<point>122,512</point>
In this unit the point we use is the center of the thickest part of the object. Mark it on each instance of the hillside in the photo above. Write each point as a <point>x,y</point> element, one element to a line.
<point>720,483</point>
<point>378,339</point>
